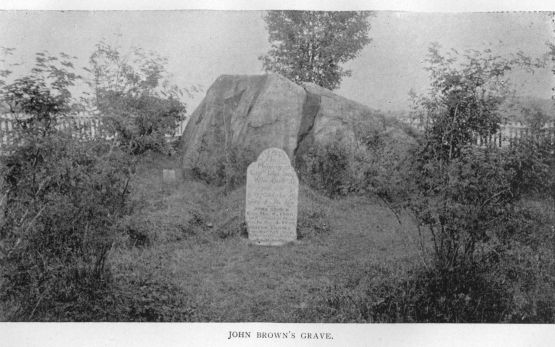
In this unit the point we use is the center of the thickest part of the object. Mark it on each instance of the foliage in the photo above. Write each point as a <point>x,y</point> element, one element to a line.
<point>44,90</point>
<point>551,56</point>
<point>135,96</point>
<point>238,159</point>
<point>62,197</point>
<point>458,202</point>
<point>228,168</point>
<point>385,296</point>
<point>467,197</point>
<point>310,46</point>
<point>4,72</point>
<point>375,164</point>
<point>535,118</point>
<point>382,160</point>
<point>326,167</point>
<point>531,161</point>
<point>512,281</point>
<point>461,190</point>
<point>464,99</point>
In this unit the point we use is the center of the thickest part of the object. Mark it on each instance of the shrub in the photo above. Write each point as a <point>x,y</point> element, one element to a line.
<point>382,164</point>
<point>238,159</point>
<point>521,259</point>
<point>532,161</point>
<point>63,198</point>
<point>326,168</point>
<point>138,102</point>
<point>376,164</point>
<point>467,295</point>
<point>468,199</point>
<point>140,122</point>
<point>484,292</point>
<point>228,168</point>
<point>510,280</point>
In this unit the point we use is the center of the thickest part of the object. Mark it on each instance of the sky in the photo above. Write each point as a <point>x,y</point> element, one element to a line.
<point>202,45</point>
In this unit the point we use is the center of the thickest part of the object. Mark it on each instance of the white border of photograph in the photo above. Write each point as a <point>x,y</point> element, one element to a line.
<point>217,334</point>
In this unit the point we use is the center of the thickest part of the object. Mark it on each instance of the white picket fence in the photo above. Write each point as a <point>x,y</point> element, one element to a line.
<point>81,125</point>
<point>509,132</point>
<point>89,125</point>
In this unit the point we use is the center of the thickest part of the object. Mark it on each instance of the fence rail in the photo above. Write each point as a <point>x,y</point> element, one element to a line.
<point>509,132</point>
<point>89,125</point>
<point>81,125</point>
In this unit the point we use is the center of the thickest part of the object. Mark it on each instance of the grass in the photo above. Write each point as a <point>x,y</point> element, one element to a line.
<point>194,245</point>
<point>184,255</point>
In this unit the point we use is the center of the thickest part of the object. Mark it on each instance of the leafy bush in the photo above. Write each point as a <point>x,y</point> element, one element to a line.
<point>532,162</point>
<point>462,191</point>
<point>421,296</point>
<point>133,92</point>
<point>228,169</point>
<point>238,159</point>
<point>468,197</point>
<point>376,164</point>
<point>514,286</point>
<point>63,198</point>
<point>460,201</point>
<point>140,122</point>
<point>325,167</point>
<point>382,166</point>
<point>492,253</point>
<point>467,295</point>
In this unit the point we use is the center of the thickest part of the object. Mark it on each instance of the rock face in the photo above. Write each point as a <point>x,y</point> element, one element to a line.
<point>247,114</point>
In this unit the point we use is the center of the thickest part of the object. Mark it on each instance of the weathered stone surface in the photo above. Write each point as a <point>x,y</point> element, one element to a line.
<point>271,199</point>
<point>340,117</point>
<point>248,114</point>
<point>168,176</point>
<point>252,112</point>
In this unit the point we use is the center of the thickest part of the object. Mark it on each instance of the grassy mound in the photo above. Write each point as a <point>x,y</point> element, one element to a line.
<point>186,256</point>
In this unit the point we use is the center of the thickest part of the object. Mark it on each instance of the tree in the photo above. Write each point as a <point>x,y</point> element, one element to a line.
<point>462,189</point>
<point>44,92</point>
<point>471,200</point>
<point>133,93</point>
<point>466,93</point>
<point>310,46</point>
<point>4,73</point>
<point>61,199</point>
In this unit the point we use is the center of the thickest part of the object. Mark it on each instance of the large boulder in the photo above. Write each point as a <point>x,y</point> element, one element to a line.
<point>247,114</point>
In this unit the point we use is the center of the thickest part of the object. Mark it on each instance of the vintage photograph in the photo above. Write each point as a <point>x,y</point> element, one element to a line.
<point>286,166</point>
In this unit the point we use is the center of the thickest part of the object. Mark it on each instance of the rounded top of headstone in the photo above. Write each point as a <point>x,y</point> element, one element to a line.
<point>273,160</point>
<point>275,156</point>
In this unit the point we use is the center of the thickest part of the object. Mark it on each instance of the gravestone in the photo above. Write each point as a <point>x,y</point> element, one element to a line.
<point>168,176</point>
<point>272,196</point>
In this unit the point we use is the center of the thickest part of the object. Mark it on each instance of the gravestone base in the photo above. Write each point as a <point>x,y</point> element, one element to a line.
<point>270,243</point>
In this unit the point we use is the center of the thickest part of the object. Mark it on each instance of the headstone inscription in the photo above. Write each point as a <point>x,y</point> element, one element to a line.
<point>272,196</point>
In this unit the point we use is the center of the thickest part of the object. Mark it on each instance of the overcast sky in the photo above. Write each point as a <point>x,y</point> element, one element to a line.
<point>201,45</point>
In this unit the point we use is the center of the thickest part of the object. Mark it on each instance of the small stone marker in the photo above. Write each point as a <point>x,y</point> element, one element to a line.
<point>272,196</point>
<point>168,176</point>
